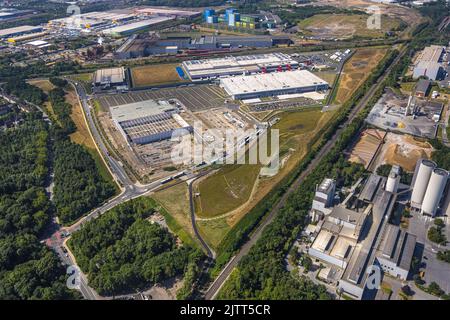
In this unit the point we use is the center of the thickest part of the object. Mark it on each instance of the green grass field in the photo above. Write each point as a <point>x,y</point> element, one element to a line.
<point>155,75</point>
<point>294,124</point>
<point>226,190</point>
<point>176,202</point>
<point>213,231</point>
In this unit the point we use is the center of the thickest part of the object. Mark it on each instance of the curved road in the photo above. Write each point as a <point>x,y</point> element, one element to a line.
<point>213,290</point>
<point>209,252</point>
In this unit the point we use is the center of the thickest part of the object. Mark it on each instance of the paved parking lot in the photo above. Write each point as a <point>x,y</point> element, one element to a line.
<point>195,98</point>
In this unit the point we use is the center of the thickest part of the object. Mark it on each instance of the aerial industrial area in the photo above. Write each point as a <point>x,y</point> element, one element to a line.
<point>221,150</point>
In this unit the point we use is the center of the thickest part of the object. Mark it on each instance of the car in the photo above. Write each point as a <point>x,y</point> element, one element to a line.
<point>425,257</point>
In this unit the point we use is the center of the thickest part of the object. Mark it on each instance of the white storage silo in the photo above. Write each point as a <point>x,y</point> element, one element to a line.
<point>422,175</point>
<point>392,182</point>
<point>435,190</point>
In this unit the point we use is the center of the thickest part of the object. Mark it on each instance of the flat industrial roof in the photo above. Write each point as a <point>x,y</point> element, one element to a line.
<point>342,248</point>
<point>138,110</point>
<point>175,12</point>
<point>37,43</point>
<point>391,237</point>
<point>276,58</point>
<point>136,25</point>
<point>370,187</point>
<point>271,81</point>
<point>423,85</point>
<point>9,31</point>
<point>323,240</point>
<point>347,215</point>
<point>431,54</point>
<point>407,251</point>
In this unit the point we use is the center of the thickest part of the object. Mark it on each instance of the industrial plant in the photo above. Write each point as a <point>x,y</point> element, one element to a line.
<point>362,232</point>
<point>143,45</point>
<point>232,18</point>
<point>238,65</point>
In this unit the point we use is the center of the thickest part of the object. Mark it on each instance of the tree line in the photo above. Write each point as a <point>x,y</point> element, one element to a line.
<point>123,252</point>
<point>79,186</point>
<point>28,269</point>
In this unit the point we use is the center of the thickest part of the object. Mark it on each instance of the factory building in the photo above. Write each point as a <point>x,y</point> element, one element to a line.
<point>428,185</point>
<point>130,28</point>
<point>356,236</point>
<point>232,18</point>
<point>145,45</point>
<point>18,31</point>
<point>165,12</point>
<point>323,199</point>
<point>148,121</point>
<point>238,65</point>
<point>338,236</point>
<point>397,250</point>
<point>423,88</point>
<point>272,84</point>
<point>429,63</point>
<point>10,14</point>
<point>113,78</point>
<point>93,19</point>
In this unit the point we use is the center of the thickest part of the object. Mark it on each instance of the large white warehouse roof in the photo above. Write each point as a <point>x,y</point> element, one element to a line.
<point>271,82</point>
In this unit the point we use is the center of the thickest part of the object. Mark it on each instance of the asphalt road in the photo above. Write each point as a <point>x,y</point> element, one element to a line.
<point>209,251</point>
<point>213,290</point>
<point>129,191</point>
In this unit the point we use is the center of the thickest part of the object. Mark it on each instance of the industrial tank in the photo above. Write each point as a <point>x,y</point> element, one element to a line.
<point>422,176</point>
<point>392,182</point>
<point>435,190</point>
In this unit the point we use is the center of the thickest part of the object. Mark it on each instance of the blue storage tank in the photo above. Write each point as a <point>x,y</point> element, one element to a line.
<point>212,19</point>
<point>228,12</point>
<point>208,13</point>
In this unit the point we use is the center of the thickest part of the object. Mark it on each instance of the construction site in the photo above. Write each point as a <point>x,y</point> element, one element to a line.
<point>406,115</point>
<point>141,125</point>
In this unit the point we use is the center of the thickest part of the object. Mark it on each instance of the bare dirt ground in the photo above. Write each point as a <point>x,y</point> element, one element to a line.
<point>408,15</point>
<point>357,70</point>
<point>165,291</point>
<point>366,147</point>
<point>403,150</point>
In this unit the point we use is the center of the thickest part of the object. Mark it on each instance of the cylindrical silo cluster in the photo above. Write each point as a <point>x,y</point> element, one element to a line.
<point>422,176</point>
<point>435,190</point>
<point>429,184</point>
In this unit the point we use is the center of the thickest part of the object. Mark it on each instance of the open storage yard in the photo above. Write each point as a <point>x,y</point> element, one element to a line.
<point>390,113</point>
<point>343,26</point>
<point>153,75</point>
<point>367,146</point>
